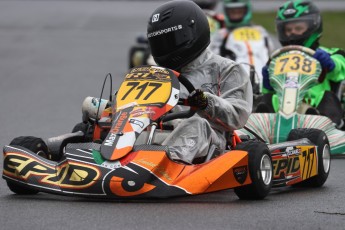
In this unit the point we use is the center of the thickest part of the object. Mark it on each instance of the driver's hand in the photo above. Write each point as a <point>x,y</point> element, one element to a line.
<point>198,99</point>
<point>325,59</point>
<point>266,78</point>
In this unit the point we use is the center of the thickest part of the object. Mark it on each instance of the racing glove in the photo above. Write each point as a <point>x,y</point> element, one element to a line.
<point>266,78</point>
<point>198,99</point>
<point>325,59</point>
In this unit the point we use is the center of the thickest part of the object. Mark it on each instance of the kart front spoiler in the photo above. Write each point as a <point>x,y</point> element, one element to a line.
<point>146,172</point>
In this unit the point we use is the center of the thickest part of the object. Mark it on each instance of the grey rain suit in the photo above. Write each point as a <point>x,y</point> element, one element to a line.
<point>230,98</point>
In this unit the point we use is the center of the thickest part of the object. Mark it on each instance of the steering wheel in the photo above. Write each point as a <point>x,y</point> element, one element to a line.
<point>293,47</point>
<point>182,101</point>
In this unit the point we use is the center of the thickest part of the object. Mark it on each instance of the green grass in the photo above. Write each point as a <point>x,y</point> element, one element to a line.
<point>333,27</point>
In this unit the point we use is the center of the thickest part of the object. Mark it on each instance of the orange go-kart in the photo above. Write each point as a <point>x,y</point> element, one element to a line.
<point>125,159</point>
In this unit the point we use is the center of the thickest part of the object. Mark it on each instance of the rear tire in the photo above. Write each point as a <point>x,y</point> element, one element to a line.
<point>260,170</point>
<point>35,145</point>
<point>318,138</point>
<point>80,127</point>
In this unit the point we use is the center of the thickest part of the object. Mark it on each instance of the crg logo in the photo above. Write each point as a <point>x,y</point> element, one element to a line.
<point>289,11</point>
<point>155,18</point>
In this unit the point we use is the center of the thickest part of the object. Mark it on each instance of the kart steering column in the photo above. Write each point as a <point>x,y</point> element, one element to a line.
<point>184,114</point>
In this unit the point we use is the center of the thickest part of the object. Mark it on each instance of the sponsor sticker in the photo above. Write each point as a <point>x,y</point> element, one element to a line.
<point>137,122</point>
<point>292,151</point>
<point>139,112</point>
<point>71,174</point>
<point>289,11</point>
<point>240,174</point>
<point>164,31</point>
<point>155,18</point>
<point>291,82</point>
<point>111,164</point>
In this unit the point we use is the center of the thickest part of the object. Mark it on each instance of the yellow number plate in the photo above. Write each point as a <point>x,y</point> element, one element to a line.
<point>308,162</point>
<point>143,92</point>
<point>295,63</point>
<point>145,86</point>
<point>247,34</point>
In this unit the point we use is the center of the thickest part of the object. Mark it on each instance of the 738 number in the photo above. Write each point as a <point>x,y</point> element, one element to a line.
<point>296,63</point>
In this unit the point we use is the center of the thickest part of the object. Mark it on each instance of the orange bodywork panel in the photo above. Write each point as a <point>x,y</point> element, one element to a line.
<point>119,153</point>
<point>212,176</point>
<point>116,188</point>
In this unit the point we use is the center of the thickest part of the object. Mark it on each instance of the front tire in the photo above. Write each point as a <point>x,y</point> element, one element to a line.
<point>260,170</point>
<point>318,138</point>
<point>36,145</point>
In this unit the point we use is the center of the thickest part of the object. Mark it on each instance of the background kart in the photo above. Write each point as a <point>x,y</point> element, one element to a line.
<point>293,71</point>
<point>118,166</point>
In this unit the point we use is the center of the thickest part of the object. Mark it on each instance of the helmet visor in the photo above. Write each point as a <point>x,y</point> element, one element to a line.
<point>236,11</point>
<point>165,41</point>
<point>297,29</point>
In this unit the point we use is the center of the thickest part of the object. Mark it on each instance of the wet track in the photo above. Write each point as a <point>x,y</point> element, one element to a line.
<point>55,53</point>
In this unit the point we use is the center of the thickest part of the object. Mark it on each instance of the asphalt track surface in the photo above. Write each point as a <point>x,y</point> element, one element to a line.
<point>52,55</point>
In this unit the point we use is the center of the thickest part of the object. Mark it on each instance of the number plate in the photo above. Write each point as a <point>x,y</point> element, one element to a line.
<point>247,34</point>
<point>295,62</point>
<point>308,162</point>
<point>145,86</point>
